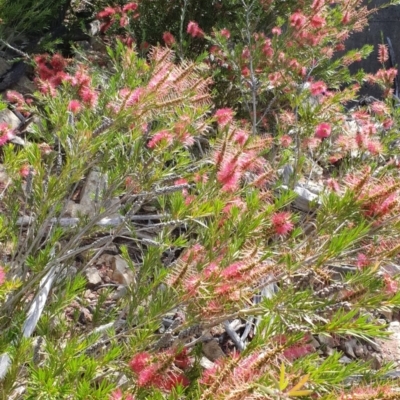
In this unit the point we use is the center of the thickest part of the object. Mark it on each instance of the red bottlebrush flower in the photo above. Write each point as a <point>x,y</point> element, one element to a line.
<point>58,62</point>
<point>182,359</point>
<point>323,131</point>
<point>346,18</point>
<point>170,381</point>
<point>267,50</point>
<point>130,7</point>
<point>139,362</point>
<point>276,31</point>
<point>285,141</point>
<point>106,13</point>
<point>168,38</point>
<point>297,20</point>
<point>160,136</point>
<point>387,123</point>
<point>246,53</point>
<point>225,33</point>
<point>2,275</point>
<point>318,88</point>
<point>317,21</point>
<point>194,30</point>
<point>281,223</point>
<point>224,116</point>
<point>74,106</point>
<point>245,72</point>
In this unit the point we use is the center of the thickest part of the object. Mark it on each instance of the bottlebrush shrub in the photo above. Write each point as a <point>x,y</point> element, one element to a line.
<point>241,250</point>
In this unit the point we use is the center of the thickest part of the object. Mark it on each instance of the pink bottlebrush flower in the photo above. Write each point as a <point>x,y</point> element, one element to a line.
<point>379,108</point>
<point>168,38</point>
<point>123,21</point>
<point>147,375</point>
<point>233,271</point>
<point>225,33</point>
<point>116,395</point>
<point>333,185</point>
<point>224,116</point>
<point>297,20</point>
<point>374,147</point>
<point>2,275</point>
<point>276,31</point>
<point>199,177</point>
<point>229,174</point>
<point>281,222</point>
<point>194,30</point>
<point>6,133</point>
<point>317,21</point>
<point>15,98</point>
<point>105,26</point>
<point>245,53</point>
<point>130,7</point>
<point>323,131</point>
<point>182,359</point>
<point>311,143</point>
<point>391,285</point>
<point>160,136</point>
<point>318,88</point>
<point>285,141</point>
<point>134,97</point>
<point>74,106</point>
<point>88,96</point>
<point>362,261</point>
<point>317,4</point>
<point>297,351</point>
<point>24,170</point>
<point>139,362</point>
<point>383,53</point>
<point>241,136</point>
<point>106,13</point>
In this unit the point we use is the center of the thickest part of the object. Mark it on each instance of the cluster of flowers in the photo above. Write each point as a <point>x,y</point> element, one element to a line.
<point>110,15</point>
<point>51,74</point>
<point>162,370</point>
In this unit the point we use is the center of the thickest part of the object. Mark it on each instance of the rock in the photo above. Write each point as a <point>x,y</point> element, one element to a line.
<point>122,274</point>
<point>91,192</point>
<point>206,363</point>
<point>8,117</point>
<point>212,350</point>
<point>345,360</point>
<point>93,277</point>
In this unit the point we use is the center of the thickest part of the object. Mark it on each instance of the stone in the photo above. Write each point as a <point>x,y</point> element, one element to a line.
<point>93,277</point>
<point>212,350</point>
<point>94,184</point>
<point>122,274</point>
<point>8,117</point>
